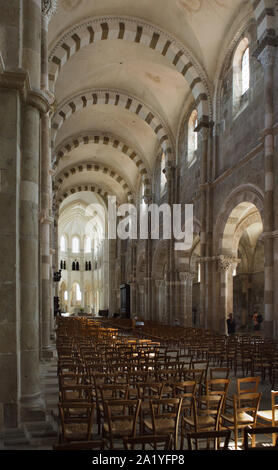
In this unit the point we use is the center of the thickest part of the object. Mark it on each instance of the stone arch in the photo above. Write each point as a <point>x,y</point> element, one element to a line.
<point>115,98</point>
<point>139,32</point>
<point>102,192</point>
<point>103,139</point>
<point>96,167</point>
<point>243,209</point>
<point>243,194</point>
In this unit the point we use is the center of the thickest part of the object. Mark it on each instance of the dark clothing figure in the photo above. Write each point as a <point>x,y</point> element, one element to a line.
<point>257,320</point>
<point>231,325</point>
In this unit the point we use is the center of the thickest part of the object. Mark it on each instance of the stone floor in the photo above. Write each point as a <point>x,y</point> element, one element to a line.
<point>41,434</point>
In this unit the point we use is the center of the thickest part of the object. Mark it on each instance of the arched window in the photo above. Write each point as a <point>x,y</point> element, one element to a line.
<point>75,247</point>
<point>163,179</point>
<point>192,140</point>
<point>63,243</point>
<point>87,245</point>
<point>78,293</point>
<point>245,71</point>
<point>241,75</point>
<point>66,295</point>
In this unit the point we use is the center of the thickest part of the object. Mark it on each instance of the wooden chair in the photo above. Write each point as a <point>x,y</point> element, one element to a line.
<point>165,417</point>
<point>76,393</point>
<point>76,421</point>
<point>243,385</point>
<point>271,416</point>
<point>120,419</point>
<point>185,390</point>
<point>244,414</point>
<point>113,391</point>
<point>208,436</point>
<point>249,431</point>
<point>219,372</point>
<point>218,387</point>
<point>204,415</point>
<point>147,391</point>
<point>153,441</point>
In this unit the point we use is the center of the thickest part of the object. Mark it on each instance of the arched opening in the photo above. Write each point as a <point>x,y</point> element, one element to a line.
<point>241,75</point>
<point>242,265</point>
<point>75,245</point>
<point>192,139</point>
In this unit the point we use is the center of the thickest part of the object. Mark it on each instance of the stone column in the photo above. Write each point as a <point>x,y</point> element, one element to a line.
<point>226,266</point>
<point>171,274</point>
<point>186,283</point>
<point>36,103</point>
<point>149,284</point>
<point>203,236</point>
<point>48,8</point>
<point>133,288</point>
<point>267,58</point>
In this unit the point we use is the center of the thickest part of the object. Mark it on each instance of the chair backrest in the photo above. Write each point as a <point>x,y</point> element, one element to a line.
<point>247,403</point>
<point>209,436</point>
<point>247,385</point>
<point>186,389</point>
<point>217,386</point>
<point>209,406</point>
<point>76,393</point>
<point>165,408</point>
<point>113,391</point>
<point>149,390</point>
<point>121,411</point>
<point>76,413</point>
<point>152,440</point>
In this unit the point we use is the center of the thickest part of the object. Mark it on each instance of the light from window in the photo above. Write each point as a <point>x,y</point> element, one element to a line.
<point>78,293</point>
<point>245,70</point>
<point>192,135</point>
<point>75,245</point>
<point>163,179</point>
<point>87,245</point>
<point>199,272</point>
<point>66,295</point>
<point>63,243</point>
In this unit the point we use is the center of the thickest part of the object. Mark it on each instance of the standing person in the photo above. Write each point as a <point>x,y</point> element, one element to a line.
<point>256,323</point>
<point>257,320</point>
<point>231,324</point>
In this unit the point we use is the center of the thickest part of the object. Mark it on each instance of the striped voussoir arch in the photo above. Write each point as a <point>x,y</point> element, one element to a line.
<point>59,197</point>
<point>103,139</point>
<point>96,167</point>
<point>264,13</point>
<point>114,98</point>
<point>133,30</point>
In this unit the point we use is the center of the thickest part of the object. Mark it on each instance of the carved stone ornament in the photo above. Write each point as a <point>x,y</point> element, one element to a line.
<point>49,7</point>
<point>227,262</point>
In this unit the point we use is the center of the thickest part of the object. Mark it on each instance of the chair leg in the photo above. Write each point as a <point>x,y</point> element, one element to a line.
<point>236,437</point>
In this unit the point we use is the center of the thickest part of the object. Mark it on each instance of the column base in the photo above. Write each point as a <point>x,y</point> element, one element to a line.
<point>32,408</point>
<point>47,353</point>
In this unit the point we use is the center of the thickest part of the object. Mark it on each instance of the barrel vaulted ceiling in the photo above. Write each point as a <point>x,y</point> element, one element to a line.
<point>123,72</point>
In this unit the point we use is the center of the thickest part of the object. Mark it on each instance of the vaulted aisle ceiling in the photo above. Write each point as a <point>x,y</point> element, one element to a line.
<point>124,74</point>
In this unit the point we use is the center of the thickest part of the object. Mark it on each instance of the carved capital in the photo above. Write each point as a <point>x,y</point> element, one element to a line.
<point>226,262</point>
<point>49,7</point>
